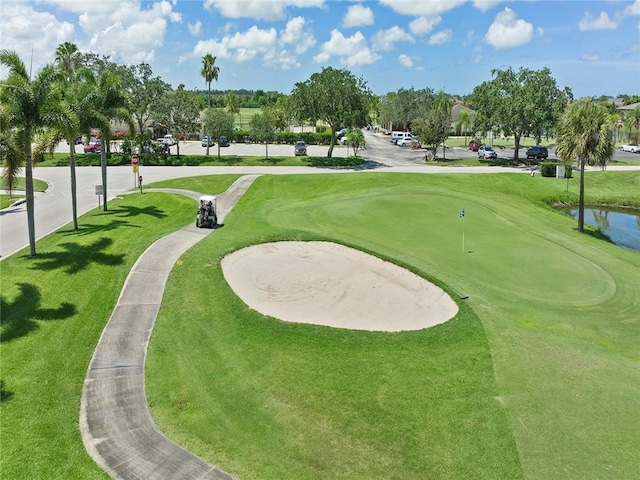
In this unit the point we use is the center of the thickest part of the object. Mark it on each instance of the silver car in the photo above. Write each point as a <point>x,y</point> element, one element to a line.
<point>487,152</point>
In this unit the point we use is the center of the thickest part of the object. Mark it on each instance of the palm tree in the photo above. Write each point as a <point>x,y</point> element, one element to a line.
<point>209,72</point>
<point>30,106</point>
<point>632,122</point>
<point>67,60</point>
<point>442,107</point>
<point>585,134</point>
<point>463,123</point>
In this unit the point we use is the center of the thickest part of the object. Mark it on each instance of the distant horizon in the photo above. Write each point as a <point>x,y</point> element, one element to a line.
<point>591,47</point>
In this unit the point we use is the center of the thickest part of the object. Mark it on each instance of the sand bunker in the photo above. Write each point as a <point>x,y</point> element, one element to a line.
<point>329,284</point>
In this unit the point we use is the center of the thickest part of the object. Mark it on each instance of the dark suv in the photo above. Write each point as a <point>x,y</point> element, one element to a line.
<point>537,152</point>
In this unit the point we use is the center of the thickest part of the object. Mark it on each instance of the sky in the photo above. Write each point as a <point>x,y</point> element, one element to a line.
<point>592,47</point>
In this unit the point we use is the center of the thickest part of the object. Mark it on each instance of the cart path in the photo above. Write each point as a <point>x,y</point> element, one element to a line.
<point>116,424</point>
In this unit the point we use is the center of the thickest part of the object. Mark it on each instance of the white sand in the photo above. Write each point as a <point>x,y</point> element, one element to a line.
<point>329,284</point>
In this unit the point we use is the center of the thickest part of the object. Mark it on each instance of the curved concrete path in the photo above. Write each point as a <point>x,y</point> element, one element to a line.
<point>117,428</point>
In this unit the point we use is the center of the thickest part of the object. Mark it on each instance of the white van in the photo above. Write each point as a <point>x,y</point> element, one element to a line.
<point>395,136</point>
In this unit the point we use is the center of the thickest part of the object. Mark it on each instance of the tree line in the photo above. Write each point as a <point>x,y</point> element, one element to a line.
<point>83,93</point>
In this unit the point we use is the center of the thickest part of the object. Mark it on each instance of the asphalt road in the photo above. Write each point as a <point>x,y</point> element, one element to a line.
<point>53,209</point>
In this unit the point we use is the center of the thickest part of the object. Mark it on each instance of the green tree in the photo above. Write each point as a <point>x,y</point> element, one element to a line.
<point>355,140</point>
<point>432,129</point>
<point>179,112</point>
<point>262,129</point>
<point>527,102</point>
<point>463,123</point>
<point>586,136</point>
<point>104,100</point>
<point>209,71</point>
<point>400,109</point>
<point>67,59</point>
<point>144,90</point>
<point>30,105</point>
<point>442,115</point>
<point>632,122</point>
<point>218,122</point>
<point>335,96</point>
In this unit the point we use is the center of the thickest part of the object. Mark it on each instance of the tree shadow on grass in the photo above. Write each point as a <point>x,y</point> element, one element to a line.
<point>4,393</point>
<point>19,317</point>
<point>90,229</point>
<point>133,211</point>
<point>78,257</point>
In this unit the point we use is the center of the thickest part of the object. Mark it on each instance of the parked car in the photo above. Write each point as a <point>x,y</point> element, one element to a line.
<point>169,140</point>
<point>397,136</point>
<point>207,140</point>
<point>300,149</point>
<point>407,141</point>
<point>474,145</point>
<point>94,146</point>
<point>537,152</point>
<point>487,152</point>
<point>631,147</point>
<point>224,141</point>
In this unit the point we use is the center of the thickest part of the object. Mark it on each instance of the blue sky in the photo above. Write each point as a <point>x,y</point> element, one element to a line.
<point>593,47</point>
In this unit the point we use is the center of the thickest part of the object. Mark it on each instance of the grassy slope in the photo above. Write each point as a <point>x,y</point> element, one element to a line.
<point>265,399</point>
<point>54,307</point>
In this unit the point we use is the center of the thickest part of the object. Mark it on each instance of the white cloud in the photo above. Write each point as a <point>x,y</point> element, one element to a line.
<point>590,57</point>
<point>195,29</point>
<point>384,39</point>
<point>283,59</point>
<point>357,16</point>
<point>426,8</point>
<point>602,22</point>
<point>440,38</point>
<point>423,25</point>
<point>241,46</point>
<point>351,50</point>
<point>294,34</point>
<point>259,9</point>
<point>486,5</point>
<point>633,9</point>
<point>25,31</point>
<point>405,61</point>
<point>507,31</point>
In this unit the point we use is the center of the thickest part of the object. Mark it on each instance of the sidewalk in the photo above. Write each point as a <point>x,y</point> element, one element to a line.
<point>116,425</point>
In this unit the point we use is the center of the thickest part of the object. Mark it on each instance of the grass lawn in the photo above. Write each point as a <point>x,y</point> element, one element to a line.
<point>54,308</point>
<point>536,377</point>
<point>538,380</point>
<point>8,200</point>
<point>38,185</point>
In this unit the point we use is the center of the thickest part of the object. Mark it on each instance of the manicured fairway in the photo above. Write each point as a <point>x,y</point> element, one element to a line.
<point>537,377</point>
<point>542,385</point>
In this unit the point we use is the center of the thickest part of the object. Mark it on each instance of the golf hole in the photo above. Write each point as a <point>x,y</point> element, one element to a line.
<point>325,283</point>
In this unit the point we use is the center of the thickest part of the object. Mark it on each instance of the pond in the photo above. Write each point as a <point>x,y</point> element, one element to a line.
<point>621,226</point>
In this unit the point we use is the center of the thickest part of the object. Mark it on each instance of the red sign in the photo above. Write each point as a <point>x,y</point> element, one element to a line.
<point>134,160</point>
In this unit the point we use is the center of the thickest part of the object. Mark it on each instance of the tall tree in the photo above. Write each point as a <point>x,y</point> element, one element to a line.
<point>67,60</point>
<point>335,96</point>
<point>526,102</point>
<point>145,91</point>
<point>209,72</point>
<point>179,112</point>
<point>463,123</point>
<point>262,129</point>
<point>29,105</point>
<point>442,112</point>
<point>585,135</point>
<point>105,99</point>
<point>218,122</point>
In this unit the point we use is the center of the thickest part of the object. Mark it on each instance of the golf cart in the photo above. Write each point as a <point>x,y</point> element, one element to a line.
<point>207,216</point>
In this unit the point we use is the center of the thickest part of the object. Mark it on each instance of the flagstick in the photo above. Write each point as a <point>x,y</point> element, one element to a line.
<point>462,234</point>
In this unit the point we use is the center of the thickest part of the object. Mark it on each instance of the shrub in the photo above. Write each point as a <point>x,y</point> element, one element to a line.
<point>548,169</point>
